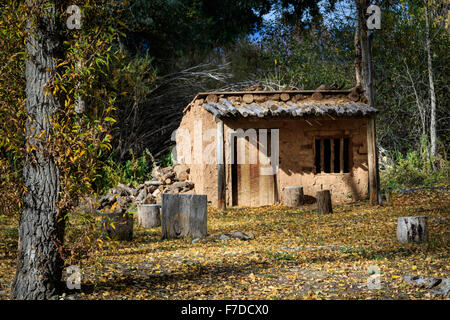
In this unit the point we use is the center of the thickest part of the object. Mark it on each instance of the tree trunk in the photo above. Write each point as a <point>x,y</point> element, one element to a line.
<point>363,45</point>
<point>368,84</point>
<point>412,229</point>
<point>324,201</point>
<point>184,215</point>
<point>358,56</point>
<point>149,215</point>
<point>433,148</point>
<point>293,196</point>
<point>41,229</point>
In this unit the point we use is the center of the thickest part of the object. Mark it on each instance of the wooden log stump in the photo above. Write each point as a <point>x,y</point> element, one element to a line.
<point>388,196</point>
<point>149,215</point>
<point>412,229</point>
<point>118,225</point>
<point>184,215</point>
<point>293,196</point>
<point>324,201</point>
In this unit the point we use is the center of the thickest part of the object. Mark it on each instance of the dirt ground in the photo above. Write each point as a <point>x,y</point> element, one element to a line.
<point>296,254</point>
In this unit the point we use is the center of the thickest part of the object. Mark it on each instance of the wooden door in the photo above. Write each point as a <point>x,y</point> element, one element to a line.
<point>251,187</point>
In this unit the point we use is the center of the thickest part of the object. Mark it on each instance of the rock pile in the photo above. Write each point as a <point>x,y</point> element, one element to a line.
<point>173,179</point>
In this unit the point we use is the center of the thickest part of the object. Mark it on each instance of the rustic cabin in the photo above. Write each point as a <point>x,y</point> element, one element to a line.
<point>245,148</point>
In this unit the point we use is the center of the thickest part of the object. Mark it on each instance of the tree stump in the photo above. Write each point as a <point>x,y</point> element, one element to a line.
<point>388,196</point>
<point>184,215</point>
<point>324,201</point>
<point>293,196</point>
<point>412,229</point>
<point>118,225</point>
<point>149,215</point>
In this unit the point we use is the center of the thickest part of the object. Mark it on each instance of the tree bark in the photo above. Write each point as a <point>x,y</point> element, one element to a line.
<point>362,46</point>
<point>358,56</point>
<point>324,201</point>
<point>433,138</point>
<point>41,229</point>
<point>368,84</point>
<point>293,196</point>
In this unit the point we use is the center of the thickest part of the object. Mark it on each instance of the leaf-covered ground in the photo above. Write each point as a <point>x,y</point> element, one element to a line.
<point>297,254</point>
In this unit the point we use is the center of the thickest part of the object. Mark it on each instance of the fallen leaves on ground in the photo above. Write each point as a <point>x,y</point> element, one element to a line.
<point>297,254</point>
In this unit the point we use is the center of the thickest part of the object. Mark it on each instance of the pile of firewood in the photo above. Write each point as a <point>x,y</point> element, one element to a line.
<point>173,179</point>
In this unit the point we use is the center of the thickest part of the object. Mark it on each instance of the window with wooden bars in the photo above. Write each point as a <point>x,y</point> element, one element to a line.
<point>332,155</point>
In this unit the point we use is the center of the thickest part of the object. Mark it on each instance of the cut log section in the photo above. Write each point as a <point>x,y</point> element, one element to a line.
<point>293,196</point>
<point>388,197</point>
<point>412,229</point>
<point>149,215</point>
<point>118,225</point>
<point>324,201</point>
<point>184,215</point>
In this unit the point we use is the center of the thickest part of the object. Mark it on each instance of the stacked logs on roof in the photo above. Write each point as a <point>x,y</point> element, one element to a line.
<point>172,179</point>
<point>355,94</point>
<point>261,104</point>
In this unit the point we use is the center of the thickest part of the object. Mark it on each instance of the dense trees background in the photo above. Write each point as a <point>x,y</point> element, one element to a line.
<point>301,44</point>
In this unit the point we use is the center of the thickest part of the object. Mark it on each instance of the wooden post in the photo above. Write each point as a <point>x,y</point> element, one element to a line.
<point>293,196</point>
<point>149,215</point>
<point>332,155</point>
<point>371,159</point>
<point>184,215</point>
<point>322,156</point>
<point>324,201</point>
<point>412,229</point>
<point>221,181</point>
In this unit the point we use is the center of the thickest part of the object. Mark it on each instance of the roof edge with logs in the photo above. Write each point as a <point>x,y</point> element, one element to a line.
<point>288,103</point>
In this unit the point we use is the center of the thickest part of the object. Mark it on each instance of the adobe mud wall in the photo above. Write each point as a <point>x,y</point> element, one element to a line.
<point>296,152</point>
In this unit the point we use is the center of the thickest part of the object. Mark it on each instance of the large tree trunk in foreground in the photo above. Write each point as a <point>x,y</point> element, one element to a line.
<point>41,230</point>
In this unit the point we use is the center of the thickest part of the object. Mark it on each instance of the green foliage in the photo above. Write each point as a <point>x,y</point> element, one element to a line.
<point>402,77</point>
<point>135,171</point>
<point>414,169</point>
<point>12,104</point>
<point>77,141</point>
<point>171,28</point>
<point>133,78</point>
<point>167,160</point>
<point>289,57</point>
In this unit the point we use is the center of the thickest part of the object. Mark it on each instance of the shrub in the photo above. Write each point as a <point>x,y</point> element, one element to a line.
<point>135,171</point>
<point>415,169</point>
